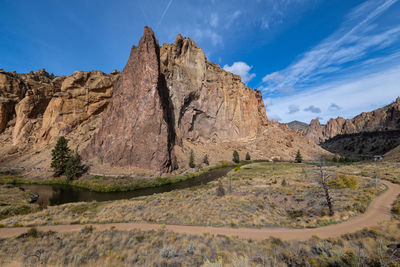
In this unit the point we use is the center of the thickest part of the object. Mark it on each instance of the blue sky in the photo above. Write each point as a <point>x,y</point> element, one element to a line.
<point>310,58</point>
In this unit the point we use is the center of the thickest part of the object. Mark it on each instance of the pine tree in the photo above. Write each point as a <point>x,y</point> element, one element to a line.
<point>299,158</point>
<point>59,156</point>
<point>191,159</point>
<point>205,159</point>
<point>248,156</point>
<point>73,167</point>
<point>236,158</point>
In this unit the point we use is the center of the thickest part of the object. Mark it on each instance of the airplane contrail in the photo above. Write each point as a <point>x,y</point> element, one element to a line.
<point>163,14</point>
<point>146,20</point>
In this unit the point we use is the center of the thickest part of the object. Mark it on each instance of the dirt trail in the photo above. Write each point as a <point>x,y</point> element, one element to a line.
<point>378,210</point>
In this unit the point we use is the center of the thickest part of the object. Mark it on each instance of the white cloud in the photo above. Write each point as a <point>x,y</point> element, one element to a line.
<point>355,39</point>
<point>352,96</point>
<point>242,69</point>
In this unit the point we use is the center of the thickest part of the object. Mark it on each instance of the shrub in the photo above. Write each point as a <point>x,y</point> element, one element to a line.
<point>220,189</point>
<point>59,156</point>
<point>299,158</point>
<point>205,159</point>
<point>283,182</point>
<point>396,208</point>
<point>191,248</point>
<point>236,158</point>
<point>248,156</point>
<point>33,232</point>
<point>191,159</point>
<point>88,229</point>
<point>168,252</point>
<point>73,167</point>
<point>344,181</point>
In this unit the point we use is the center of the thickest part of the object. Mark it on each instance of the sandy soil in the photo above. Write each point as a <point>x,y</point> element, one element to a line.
<point>378,210</point>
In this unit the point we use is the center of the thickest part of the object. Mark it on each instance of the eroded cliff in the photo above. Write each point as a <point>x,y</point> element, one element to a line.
<point>167,101</point>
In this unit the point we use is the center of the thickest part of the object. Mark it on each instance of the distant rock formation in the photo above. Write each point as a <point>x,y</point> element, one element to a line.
<point>168,101</point>
<point>297,125</point>
<point>382,119</point>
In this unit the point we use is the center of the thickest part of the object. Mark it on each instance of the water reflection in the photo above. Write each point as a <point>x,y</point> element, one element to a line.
<point>50,195</point>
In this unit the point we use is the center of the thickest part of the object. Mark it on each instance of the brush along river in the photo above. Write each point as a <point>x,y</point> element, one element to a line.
<point>57,194</point>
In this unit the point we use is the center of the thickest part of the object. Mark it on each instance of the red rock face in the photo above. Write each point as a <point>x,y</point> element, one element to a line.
<point>137,128</point>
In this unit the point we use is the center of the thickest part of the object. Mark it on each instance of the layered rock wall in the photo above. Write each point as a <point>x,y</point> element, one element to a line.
<point>210,104</point>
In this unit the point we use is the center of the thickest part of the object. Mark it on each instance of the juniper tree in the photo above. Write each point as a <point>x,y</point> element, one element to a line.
<point>236,158</point>
<point>248,156</point>
<point>299,158</point>
<point>205,159</point>
<point>73,167</point>
<point>59,156</point>
<point>191,159</point>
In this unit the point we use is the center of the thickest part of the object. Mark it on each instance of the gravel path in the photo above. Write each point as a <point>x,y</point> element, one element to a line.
<point>378,210</point>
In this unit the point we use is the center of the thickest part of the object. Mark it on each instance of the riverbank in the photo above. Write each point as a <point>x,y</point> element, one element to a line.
<point>14,201</point>
<point>256,195</point>
<point>105,184</point>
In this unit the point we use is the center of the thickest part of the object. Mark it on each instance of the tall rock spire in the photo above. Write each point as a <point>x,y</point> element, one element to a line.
<point>138,127</point>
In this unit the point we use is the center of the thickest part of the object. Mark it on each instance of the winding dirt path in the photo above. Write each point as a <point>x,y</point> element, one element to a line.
<point>378,211</point>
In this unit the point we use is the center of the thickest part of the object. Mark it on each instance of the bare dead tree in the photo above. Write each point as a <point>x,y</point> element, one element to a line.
<point>328,198</point>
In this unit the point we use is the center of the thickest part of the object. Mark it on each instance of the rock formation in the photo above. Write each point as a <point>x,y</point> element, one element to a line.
<point>297,125</point>
<point>210,104</point>
<point>167,101</point>
<point>383,119</point>
<point>138,128</point>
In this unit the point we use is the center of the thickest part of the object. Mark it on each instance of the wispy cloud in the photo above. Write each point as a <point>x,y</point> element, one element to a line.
<point>349,45</point>
<point>346,98</point>
<point>293,109</point>
<point>214,18</point>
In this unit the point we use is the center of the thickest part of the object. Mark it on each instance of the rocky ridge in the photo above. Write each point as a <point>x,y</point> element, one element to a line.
<point>382,119</point>
<point>171,99</point>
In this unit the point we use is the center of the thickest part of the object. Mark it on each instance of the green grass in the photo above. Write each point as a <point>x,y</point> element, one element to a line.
<point>113,184</point>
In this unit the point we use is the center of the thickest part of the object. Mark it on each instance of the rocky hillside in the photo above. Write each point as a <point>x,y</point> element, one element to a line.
<point>363,145</point>
<point>393,155</point>
<point>297,125</point>
<point>383,119</point>
<point>167,101</point>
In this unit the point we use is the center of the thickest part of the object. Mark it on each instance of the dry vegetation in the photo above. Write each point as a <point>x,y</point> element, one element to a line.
<point>14,201</point>
<point>376,246</point>
<point>396,208</point>
<point>384,170</point>
<point>255,195</point>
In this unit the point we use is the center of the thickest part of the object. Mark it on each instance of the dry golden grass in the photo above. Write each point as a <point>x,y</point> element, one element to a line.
<point>257,195</point>
<point>383,170</point>
<point>369,247</point>
<point>14,201</point>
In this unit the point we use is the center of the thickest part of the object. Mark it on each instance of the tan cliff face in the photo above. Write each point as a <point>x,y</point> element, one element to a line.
<point>382,119</point>
<point>167,101</point>
<point>210,104</point>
